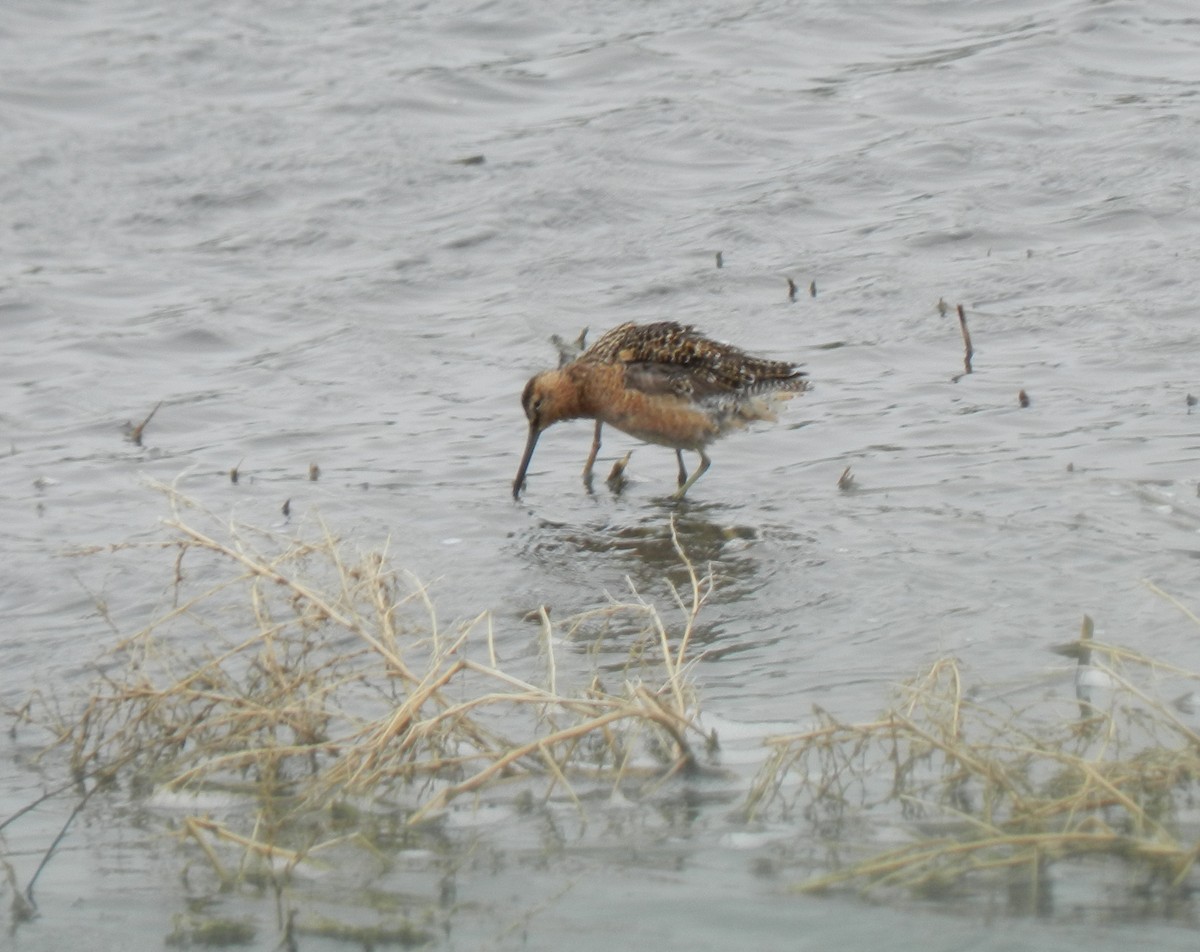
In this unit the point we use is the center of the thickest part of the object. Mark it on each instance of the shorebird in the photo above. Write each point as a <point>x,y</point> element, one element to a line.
<point>663,383</point>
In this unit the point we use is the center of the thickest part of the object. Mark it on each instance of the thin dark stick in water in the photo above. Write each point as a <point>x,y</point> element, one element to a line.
<point>48,795</point>
<point>616,479</point>
<point>135,435</point>
<point>569,350</point>
<point>812,288</point>
<point>288,943</point>
<point>791,289</point>
<point>53,846</point>
<point>21,910</point>
<point>962,322</point>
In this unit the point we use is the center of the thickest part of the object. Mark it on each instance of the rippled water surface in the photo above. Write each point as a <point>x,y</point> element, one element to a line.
<point>269,218</point>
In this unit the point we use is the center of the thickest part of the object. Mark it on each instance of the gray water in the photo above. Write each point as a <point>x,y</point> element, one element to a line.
<point>261,217</point>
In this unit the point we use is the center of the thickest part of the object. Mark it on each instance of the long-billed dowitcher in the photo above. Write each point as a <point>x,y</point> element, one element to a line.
<point>663,383</point>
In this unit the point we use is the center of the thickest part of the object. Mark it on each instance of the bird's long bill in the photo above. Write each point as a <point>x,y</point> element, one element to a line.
<point>534,433</point>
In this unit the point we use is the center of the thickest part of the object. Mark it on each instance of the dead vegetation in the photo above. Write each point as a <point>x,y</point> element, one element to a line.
<point>303,678</point>
<point>984,796</point>
<point>317,688</point>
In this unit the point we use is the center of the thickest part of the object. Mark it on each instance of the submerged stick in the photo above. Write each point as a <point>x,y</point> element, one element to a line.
<point>135,434</point>
<point>54,845</point>
<point>970,351</point>
<point>616,479</point>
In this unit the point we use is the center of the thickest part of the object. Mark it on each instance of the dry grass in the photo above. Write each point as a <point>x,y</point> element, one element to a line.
<point>311,681</point>
<point>988,795</point>
<point>302,676</point>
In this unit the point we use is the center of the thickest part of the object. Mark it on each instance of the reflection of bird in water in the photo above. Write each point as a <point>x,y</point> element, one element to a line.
<point>664,383</point>
<point>1088,678</point>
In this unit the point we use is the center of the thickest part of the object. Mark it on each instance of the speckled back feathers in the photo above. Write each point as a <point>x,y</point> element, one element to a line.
<point>667,356</point>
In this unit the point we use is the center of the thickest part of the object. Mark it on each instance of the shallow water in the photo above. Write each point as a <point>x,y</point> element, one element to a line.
<point>263,220</point>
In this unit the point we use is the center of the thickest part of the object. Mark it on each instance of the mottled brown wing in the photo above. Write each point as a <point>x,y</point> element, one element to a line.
<point>670,358</point>
<point>662,379</point>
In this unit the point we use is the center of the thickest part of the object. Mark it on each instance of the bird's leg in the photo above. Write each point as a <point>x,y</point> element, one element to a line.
<point>591,460</point>
<point>682,468</point>
<point>705,462</point>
